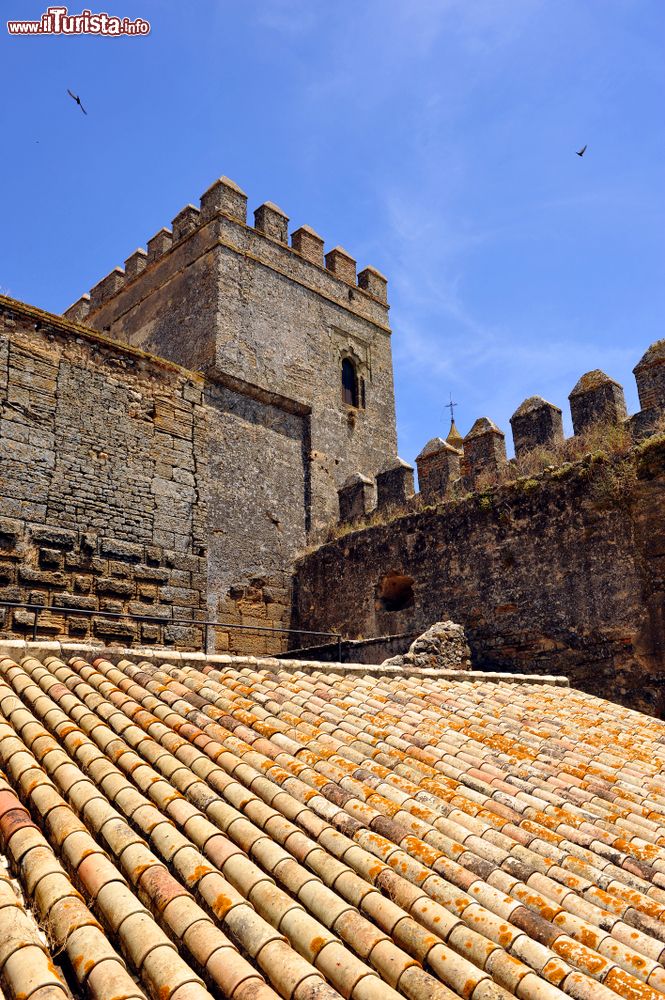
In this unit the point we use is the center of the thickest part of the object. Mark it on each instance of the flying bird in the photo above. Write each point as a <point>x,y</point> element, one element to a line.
<point>581,152</point>
<point>78,101</point>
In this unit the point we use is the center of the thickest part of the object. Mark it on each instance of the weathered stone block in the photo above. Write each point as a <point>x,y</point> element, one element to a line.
<point>122,569</point>
<point>159,244</point>
<point>111,604</point>
<point>224,197</point>
<point>185,222</point>
<point>160,611</point>
<point>596,399</point>
<point>650,377</point>
<point>183,561</point>
<point>79,601</point>
<point>184,636</point>
<point>374,283</point>
<point>111,585</point>
<point>355,497</point>
<point>341,264</point>
<point>150,633</point>
<point>56,537</point>
<point>10,531</point>
<point>44,577</point>
<point>89,543</point>
<point>78,627</point>
<point>394,484</point>
<point>484,451</point>
<point>180,595</point>
<point>438,466</point>
<point>135,264</point>
<point>272,221</point>
<point>307,242</point>
<point>536,424</point>
<point>156,574</point>
<point>153,554</point>
<point>117,549</point>
<point>51,558</point>
<point>112,628</point>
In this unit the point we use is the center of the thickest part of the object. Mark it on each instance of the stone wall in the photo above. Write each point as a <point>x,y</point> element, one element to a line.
<point>553,560</point>
<point>257,483</point>
<point>99,502</point>
<point>96,438</point>
<point>99,588</point>
<point>129,485</point>
<point>563,574</point>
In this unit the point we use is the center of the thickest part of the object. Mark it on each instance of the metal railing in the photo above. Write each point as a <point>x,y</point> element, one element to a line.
<point>38,609</point>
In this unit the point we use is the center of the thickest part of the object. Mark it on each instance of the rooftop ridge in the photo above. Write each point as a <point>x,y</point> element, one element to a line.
<point>42,650</point>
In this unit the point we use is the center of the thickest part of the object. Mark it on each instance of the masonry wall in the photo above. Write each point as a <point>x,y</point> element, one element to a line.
<point>130,485</point>
<point>257,483</point>
<point>561,573</point>
<point>99,502</point>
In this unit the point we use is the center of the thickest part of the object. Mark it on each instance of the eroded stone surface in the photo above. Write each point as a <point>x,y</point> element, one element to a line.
<point>443,646</point>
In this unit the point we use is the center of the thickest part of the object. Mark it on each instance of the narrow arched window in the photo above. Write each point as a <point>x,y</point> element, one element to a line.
<point>349,383</point>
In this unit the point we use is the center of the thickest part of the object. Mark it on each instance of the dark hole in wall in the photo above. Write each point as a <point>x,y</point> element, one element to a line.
<point>395,592</point>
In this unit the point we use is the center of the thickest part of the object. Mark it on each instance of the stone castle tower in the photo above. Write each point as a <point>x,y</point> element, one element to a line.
<point>296,352</point>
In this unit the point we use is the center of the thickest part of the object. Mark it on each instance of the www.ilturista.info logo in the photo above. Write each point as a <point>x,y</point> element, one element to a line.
<point>58,21</point>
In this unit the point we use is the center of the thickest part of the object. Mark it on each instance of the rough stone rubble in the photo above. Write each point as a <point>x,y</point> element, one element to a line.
<point>442,647</point>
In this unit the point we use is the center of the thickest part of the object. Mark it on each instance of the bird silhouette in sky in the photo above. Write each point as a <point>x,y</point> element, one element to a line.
<point>582,151</point>
<point>78,101</point>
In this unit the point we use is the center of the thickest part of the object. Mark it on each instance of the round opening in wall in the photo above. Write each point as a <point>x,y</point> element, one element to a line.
<point>395,592</point>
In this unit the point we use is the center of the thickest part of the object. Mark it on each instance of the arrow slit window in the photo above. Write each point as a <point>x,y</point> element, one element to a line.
<point>349,382</point>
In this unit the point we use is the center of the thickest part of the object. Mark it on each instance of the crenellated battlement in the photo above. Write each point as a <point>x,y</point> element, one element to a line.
<point>225,199</point>
<point>447,469</point>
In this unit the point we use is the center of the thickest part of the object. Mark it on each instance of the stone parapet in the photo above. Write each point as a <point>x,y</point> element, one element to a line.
<point>438,468</point>
<point>394,484</point>
<point>355,497</point>
<point>484,451</point>
<point>536,424</point>
<point>650,377</point>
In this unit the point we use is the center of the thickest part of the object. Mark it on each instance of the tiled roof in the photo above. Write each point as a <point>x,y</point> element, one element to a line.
<point>182,833</point>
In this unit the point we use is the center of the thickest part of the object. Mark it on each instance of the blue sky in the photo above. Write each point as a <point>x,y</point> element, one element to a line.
<point>433,139</point>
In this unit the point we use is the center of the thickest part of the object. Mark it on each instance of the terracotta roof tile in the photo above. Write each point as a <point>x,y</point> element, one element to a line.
<point>261,832</point>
